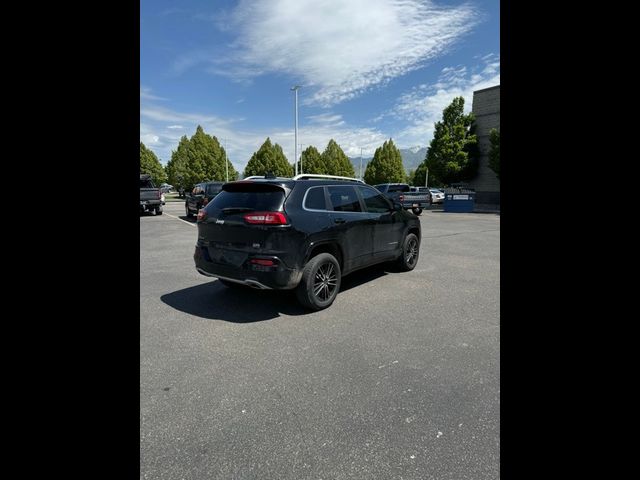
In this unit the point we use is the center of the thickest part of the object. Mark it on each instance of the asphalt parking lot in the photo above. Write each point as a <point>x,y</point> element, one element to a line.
<point>398,379</point>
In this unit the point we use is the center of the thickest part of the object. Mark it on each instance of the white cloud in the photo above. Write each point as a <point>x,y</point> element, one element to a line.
<point>240,144</point>
<point>422,106</point>
<point>416,111</point>
<point>145,93</point>
<point>342,49</point>
<point>326,119</point>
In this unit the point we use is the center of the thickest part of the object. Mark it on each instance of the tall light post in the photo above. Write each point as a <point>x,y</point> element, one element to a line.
<point>295,89</point>
<point>301,152</point>
<point>361,163</point>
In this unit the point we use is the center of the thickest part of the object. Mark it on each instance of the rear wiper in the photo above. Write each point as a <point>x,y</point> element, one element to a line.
<point>237,209</point>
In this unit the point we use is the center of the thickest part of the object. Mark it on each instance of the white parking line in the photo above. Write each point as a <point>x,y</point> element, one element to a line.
<point>178,218</point>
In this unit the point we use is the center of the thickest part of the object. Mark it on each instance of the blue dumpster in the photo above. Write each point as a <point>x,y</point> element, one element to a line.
<point>458,198</point>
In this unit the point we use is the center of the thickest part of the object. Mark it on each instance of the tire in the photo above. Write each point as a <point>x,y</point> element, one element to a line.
<point>233,285</point>
<point>320,282</point>
<point>410,253</point>
<point>417,211</point>
<point>189,214</point>
<point>159,210</point>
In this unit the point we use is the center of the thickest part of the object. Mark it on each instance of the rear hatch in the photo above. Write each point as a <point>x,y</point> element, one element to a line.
<point>234,226</point>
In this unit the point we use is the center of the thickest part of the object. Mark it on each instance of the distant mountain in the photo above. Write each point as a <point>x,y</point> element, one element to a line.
<point>411,158</point>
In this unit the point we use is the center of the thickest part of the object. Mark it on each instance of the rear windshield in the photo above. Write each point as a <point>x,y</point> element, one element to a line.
<point>398,188</point>
<point>213,189</point>
<point>146,184</point>
<point>256,197</point>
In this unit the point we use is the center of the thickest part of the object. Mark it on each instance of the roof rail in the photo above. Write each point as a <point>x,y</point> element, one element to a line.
<point>315,176</point>
<point>265,177</point>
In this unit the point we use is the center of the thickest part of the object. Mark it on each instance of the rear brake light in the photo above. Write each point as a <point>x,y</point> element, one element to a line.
<point>205,201</point>
<point>266,218</point>
<point>159,194</point>
<point>260,261</point>
<point>202,215</point>
<point>402,198</point>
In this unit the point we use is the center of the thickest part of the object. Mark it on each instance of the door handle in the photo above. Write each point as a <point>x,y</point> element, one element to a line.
<point>339,220</point>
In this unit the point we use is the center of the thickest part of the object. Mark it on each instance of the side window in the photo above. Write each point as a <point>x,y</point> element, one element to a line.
<point>344,199</point>
<point>315,199</point>
<point>374,201</point>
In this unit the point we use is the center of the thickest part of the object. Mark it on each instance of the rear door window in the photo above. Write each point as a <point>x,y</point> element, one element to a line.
<point>146,183</point>
<point>344,199</point>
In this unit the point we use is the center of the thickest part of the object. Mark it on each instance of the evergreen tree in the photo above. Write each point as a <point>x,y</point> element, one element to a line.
<point>385,166</point>
<point>149,164</point>
<point>312,161</point>
<point>336,162</point>
<point>177,166</point>
<point>269,159</point>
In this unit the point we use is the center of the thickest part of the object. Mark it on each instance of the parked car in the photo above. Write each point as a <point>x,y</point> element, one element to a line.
<point>437,195</point>
<point>150,196</point>
<point>166,188</point>
<point>401,193</point>
<point>201,194</point>
<point>302,234</point>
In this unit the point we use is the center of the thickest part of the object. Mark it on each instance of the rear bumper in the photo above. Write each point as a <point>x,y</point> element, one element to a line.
<point>278,277</point>
<point>417,204</point>
<point>149,204</point>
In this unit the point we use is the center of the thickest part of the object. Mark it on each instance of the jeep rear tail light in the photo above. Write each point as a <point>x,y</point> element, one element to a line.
<point>202,215</point>
<point>266,218</point>
<point>205,201</point>
<point>402,198</point>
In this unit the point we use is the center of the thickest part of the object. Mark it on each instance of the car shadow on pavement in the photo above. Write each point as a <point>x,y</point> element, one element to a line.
<point>214,301</point>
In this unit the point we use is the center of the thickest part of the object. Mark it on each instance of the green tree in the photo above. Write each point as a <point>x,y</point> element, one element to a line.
<point>269,159</point>
<point>149,164</point>
<point>206,159</point>
<point>336,162</point>
<point>409,176</point>
<point>177,167</point>
<point>450,156</point>
<point>494,153</point>
<point>385,166</point>
<point>312,161</point>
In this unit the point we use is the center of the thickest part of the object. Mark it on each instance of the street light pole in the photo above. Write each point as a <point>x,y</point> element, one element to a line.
<point>301,152</point>
<point>360,163</point>
<point>295,162</point>
<point>426,177</point>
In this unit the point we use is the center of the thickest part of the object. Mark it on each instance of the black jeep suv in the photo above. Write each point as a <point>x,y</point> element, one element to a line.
<point>283,233</point>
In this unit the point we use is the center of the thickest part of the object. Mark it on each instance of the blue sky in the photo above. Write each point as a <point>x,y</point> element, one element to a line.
<point>370,70</point>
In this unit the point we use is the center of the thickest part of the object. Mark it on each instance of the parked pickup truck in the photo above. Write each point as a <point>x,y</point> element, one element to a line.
<point>401,193</point>
<point>150,196</point>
